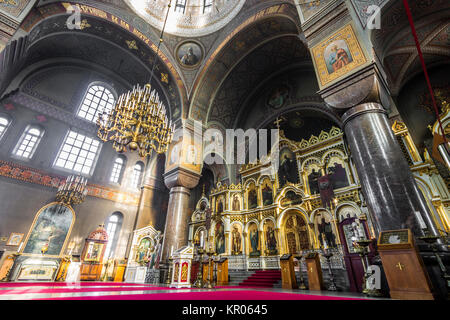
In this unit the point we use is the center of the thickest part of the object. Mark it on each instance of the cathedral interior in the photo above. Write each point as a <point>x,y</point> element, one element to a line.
<point>288,147</point>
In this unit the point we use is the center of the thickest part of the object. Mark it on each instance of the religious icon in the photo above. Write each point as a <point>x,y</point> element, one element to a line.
<point>252,198</point>
<point>313,182</point>
<point>220,206</point>
<point>338,176</point>
<point>189,54</point>
<point>236,203</point>
<point>271,241</point>
<point>337,55</point>
<point>267,193</point>
<point>254,241</point>
<point>220,238</point>
<point>278,97</point>
<point>49,232</point>
<point>288,171</point>
<point>326,237</point>
<point>236,240</point>
<point>143,250</point>
<point>15,239</point>
<point>291,199</point>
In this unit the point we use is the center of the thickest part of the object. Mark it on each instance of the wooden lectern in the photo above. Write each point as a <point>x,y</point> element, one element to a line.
<point>315,279</point>
<point>288,279</point>
<point>403,266</point>
<point>222,272</point>
<point>119,270</point>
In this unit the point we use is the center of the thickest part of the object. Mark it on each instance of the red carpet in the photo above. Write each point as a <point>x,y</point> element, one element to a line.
<point>214,295</point>
<point>65,284</point>
<point>262,279</point>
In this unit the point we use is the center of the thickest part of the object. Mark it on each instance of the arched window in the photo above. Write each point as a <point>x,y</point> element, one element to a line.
<point>28,142</point>
<point>180,6</point>
<point>116,173</point>
<point>113,226</point>
<point>98,99</point>
<point>4,123</point>
<point>137,175</point>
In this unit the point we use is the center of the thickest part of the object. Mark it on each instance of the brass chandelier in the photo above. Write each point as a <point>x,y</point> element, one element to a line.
<point>73,191</point>
<point>139,120</point>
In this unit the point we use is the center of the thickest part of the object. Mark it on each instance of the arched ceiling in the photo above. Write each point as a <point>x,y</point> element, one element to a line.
<point>395,46</point>
<point>250,72</point>
<point>230,49</point>
<point>103,44</point>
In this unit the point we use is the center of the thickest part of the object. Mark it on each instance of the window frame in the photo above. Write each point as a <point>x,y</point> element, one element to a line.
<point>182,6</point>
<point>122,170</point>
<point>141,176</point>
<point>210,6</point>
<point>22,138</point>
<point>118,229</point>
<point>94,161</point>
<point>86,92</point>
<point>8,118</point>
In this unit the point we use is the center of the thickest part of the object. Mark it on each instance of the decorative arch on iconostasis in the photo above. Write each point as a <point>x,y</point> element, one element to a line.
<point>295,232</point>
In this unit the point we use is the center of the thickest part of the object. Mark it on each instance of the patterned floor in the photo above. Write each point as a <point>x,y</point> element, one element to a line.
<point>120,291</point>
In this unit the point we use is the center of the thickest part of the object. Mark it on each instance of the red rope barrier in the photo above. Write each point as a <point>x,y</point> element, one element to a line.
<point>422,61</point>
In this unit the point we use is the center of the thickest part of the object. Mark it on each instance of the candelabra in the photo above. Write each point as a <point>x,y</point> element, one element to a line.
<point>73,191</point>
<point>327,254</point>
<point>137,122</point>
<point>432,240</point>
<point>302,285</point>
<point>209,283</point>
<point>169,273</point>
<point>363,250</point>
<point>199,281</point>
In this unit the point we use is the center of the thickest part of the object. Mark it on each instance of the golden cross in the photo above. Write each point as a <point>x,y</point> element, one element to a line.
<point>400,266</point>
<point>277,122</point>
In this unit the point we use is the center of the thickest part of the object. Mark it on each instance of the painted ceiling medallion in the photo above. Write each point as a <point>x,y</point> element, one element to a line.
<point>190,17</point>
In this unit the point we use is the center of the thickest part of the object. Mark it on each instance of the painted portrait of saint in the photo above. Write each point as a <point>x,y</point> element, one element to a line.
<point>220,238</point>
<point>288,171</point>
<point>236,240</point>
<point>278,97</point>
<point>189,54</point>
<point>337,55</point>
<point>252,198</point>
<point>254,240</point>
<point>267,193</point>
<point>236,203</point>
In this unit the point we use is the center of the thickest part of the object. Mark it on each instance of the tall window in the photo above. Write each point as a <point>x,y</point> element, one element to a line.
<point>78,153</point>
<point>137,175</point>
<point>117,170</point>
<point>98,99</point>
<point>113,225</point>
<point>4,122</point>
<point>28,143</point>
<point>180,6</point>
<point>207,6</point>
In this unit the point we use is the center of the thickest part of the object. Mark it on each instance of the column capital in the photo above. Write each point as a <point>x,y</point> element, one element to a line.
<point>180,177</point>
<point>365,85</point>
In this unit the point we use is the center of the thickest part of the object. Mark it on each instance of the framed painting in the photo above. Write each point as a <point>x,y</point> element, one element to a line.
<point>337,55</point>
<point>50,230</point>
<point>15,239</point>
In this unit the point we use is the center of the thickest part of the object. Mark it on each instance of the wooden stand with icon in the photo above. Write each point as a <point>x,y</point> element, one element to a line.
<point>222,272</point>
<point>404,267</point>
<point>92,256</point>
<point>206,268</point>
<point>288,279</point>
<point>315,278</point>
<point>119,270</point>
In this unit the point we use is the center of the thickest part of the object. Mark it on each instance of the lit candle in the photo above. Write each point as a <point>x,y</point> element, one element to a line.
<point>420,220</point>
<point>325,245</point>
<point>171,251</point>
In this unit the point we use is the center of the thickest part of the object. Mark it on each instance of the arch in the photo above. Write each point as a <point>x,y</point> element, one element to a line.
<point>98,98</point>
<point>354,211</point>
<point>5,122</point>
<point>29,141</point>
<point>292,236</point>
<point>113,226</point>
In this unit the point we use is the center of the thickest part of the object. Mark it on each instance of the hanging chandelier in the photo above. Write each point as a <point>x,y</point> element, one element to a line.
<point>73,191</point>
<point>139,121</point>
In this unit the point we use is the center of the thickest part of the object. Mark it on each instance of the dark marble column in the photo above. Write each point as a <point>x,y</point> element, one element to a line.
<point>177,229</point>
<point>385,176</point>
